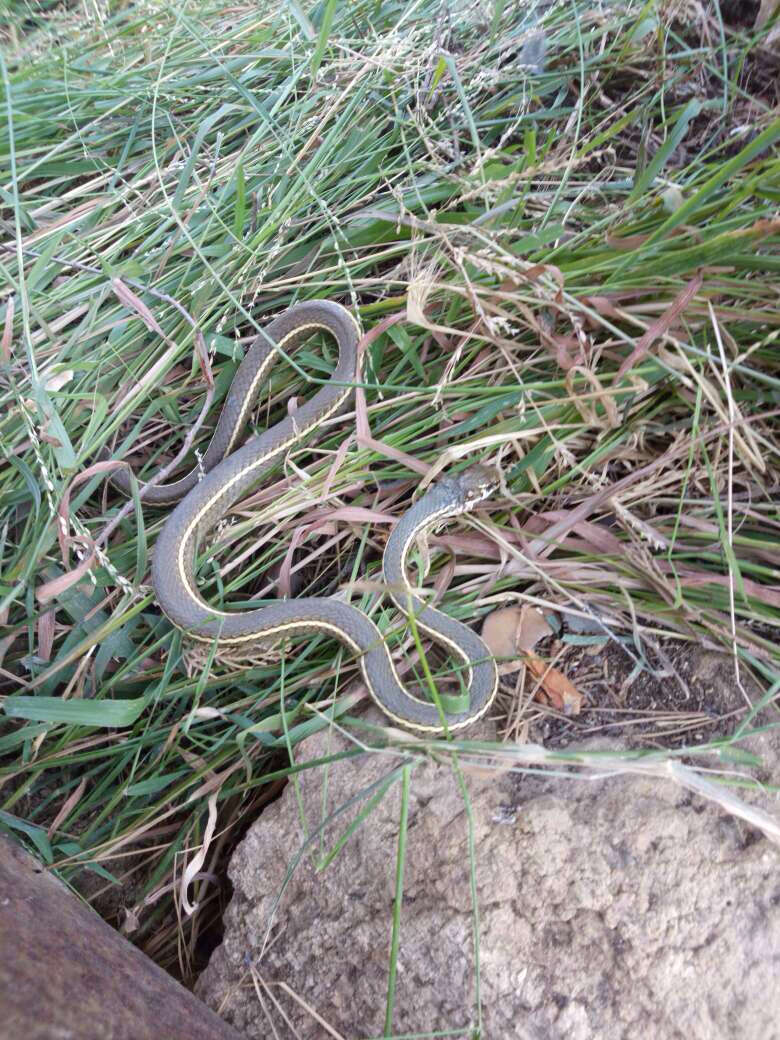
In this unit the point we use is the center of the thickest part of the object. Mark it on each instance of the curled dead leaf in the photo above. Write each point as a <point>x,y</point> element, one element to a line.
<point>560,691</point>
<point>133,302</point>
<point>510,634</point>
<point>533,626</point>
<point>499,631</point>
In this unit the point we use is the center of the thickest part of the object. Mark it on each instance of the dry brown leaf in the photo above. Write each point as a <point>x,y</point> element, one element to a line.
<point>568,350</point>
<point>45,635</point>
<point>661,325</point>
<point>602,305</point>
<point>591,535</point>
<point>533,627</point>
<point>49,590</point>
<point>47,438</point>
<point>67,805</point>
<point>512,632</point>
<point>562,692</point>
<point>444,578</point>
<point>499,631</point>
<point>625,243</point>
<point>362,426</point>
<point>133,302</point>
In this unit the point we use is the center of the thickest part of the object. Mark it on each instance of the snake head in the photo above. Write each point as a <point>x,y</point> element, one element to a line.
<point>476,484</point>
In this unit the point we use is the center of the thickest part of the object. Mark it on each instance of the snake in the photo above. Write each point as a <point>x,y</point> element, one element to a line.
<point>226,472</point>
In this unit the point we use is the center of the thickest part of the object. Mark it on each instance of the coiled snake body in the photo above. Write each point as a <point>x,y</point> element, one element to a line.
<point>204,500</point>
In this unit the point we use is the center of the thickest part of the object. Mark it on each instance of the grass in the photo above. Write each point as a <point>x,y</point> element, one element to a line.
<point>566,220</point>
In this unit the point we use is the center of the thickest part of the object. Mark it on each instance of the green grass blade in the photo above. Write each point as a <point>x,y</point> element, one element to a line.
<point>322,39</point>
<point>102,713</point>
<point>400,861</point>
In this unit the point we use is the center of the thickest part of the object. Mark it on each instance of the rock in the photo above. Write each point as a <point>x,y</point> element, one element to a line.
<point>67,975</point>
<point>608,909</point>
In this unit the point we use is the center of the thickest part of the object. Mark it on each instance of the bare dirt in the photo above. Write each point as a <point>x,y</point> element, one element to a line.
<point>676,696</point>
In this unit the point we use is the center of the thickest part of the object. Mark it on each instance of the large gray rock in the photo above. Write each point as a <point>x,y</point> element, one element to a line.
<point>608,909</point>
<point>67,975</point>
